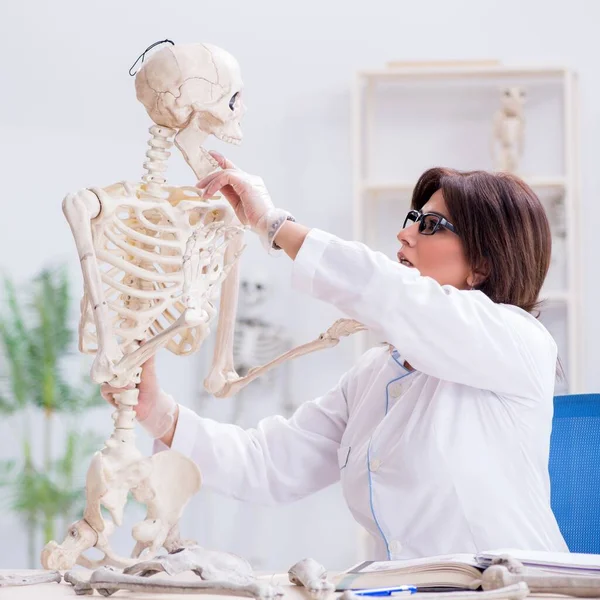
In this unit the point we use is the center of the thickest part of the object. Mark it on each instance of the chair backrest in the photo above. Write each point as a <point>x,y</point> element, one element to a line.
<point>575,470</point>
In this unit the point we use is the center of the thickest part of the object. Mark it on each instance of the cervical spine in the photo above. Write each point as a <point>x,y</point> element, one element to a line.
<point>157,154</point>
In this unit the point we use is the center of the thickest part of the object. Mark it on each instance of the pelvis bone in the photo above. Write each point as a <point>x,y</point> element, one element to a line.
<point>165,482</point>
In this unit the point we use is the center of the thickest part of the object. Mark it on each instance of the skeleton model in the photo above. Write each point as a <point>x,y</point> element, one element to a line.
<point>508,130</point>
<point>153,257</point>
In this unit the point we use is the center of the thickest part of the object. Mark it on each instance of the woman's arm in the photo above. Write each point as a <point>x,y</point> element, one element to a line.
<point>459,336</point>
<point>451,334</point>
<point>281,460</point>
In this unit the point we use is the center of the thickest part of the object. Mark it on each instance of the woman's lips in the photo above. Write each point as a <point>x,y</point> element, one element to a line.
<point>404,261</point>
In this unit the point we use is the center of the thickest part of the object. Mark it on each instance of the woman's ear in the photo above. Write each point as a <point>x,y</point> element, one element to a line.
<point>478,276</point>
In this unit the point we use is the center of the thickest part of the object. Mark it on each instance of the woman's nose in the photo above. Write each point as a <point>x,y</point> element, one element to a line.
<point>408,235</point>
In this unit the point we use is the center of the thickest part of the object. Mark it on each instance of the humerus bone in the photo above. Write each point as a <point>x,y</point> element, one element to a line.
<point>498,576</point>
<point>30,578</point>
<point>81,586</point>
<point>313,576</point>
<point>341,328</point>
<point>108,582</point>
<point>209,565</point>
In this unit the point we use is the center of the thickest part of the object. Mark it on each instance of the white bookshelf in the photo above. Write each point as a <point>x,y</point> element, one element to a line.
<point>416,100</point>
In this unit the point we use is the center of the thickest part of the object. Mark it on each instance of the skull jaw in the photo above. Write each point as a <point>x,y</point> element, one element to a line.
<point>189,140</point>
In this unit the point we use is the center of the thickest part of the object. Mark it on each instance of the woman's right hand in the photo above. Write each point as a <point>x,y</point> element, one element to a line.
<point>149,390</point>
<point>156,411</point>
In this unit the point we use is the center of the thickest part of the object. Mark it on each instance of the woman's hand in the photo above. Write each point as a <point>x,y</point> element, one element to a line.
<point>148,390</point>
<point>248,197</point>
<point>156,411</point>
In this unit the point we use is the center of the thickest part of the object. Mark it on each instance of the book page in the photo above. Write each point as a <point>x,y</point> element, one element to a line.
<point>588,562</point>
<point>393,565</point>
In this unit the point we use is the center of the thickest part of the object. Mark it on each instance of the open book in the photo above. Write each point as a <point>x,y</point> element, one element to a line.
<point>447,572</point>
<point>457,571</point>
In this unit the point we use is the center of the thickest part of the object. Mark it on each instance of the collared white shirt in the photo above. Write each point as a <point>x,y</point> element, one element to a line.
<point>451,457</point>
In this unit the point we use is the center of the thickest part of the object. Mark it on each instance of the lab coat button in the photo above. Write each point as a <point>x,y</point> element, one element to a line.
<point>374,465</point>
<point>396,390</point>
<point>394,547</point>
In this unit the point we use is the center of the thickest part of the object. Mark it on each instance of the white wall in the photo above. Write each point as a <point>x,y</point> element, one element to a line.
<point>70,119</point>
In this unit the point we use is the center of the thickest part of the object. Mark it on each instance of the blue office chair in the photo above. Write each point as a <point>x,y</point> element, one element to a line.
<point>575,470</point>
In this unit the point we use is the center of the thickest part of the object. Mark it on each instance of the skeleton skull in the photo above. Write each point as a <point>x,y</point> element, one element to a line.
<point>254,288</point>
<point>513,99</point>
<point>195,89</point>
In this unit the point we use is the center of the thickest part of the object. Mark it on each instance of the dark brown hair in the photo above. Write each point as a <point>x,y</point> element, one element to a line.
<point>503,228</point>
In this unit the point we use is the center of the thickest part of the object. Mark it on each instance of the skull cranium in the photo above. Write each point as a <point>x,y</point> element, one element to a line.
<point>197,90</point>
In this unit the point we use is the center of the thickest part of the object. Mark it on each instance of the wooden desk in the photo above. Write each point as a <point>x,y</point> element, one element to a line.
<point>59,591</point>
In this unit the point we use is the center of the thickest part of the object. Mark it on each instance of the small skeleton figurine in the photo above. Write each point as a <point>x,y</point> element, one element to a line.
<point>257,341</point>
<point>508,131</point>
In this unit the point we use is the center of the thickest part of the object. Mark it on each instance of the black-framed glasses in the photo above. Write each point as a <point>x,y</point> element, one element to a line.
<point>429,223</point>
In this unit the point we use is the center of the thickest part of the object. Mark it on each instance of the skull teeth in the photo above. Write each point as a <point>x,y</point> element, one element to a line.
<point>209,158</point>
<point>229,139</point>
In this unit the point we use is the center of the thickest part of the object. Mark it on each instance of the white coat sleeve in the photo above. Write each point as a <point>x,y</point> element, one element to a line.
<point>281,460</point>
<point>455,335</point>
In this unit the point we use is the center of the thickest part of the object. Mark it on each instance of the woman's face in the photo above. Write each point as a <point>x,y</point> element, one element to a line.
<point>439,256</point>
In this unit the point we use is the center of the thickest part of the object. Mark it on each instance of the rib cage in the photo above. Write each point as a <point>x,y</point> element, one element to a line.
<point>140,243</point>
<point>257,342</point>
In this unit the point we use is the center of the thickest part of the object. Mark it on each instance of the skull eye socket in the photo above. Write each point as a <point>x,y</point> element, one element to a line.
<point>233,100</point>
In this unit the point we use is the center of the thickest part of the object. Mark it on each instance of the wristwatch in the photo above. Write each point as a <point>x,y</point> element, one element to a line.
<point>277,225</point>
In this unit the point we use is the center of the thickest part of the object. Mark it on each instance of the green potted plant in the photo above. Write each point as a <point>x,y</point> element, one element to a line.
<point>36,386</point>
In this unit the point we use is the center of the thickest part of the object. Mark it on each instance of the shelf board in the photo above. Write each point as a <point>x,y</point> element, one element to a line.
<point>536,183</point>
<point>463,72</point>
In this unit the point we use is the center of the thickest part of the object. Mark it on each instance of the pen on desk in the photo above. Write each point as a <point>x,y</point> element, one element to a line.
<point>389,591</point>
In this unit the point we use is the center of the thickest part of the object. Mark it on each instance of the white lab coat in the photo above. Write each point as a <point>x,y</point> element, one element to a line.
<point>451,457</point>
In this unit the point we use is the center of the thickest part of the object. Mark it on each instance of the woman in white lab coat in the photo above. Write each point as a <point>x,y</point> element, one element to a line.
<point>440,438</point>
